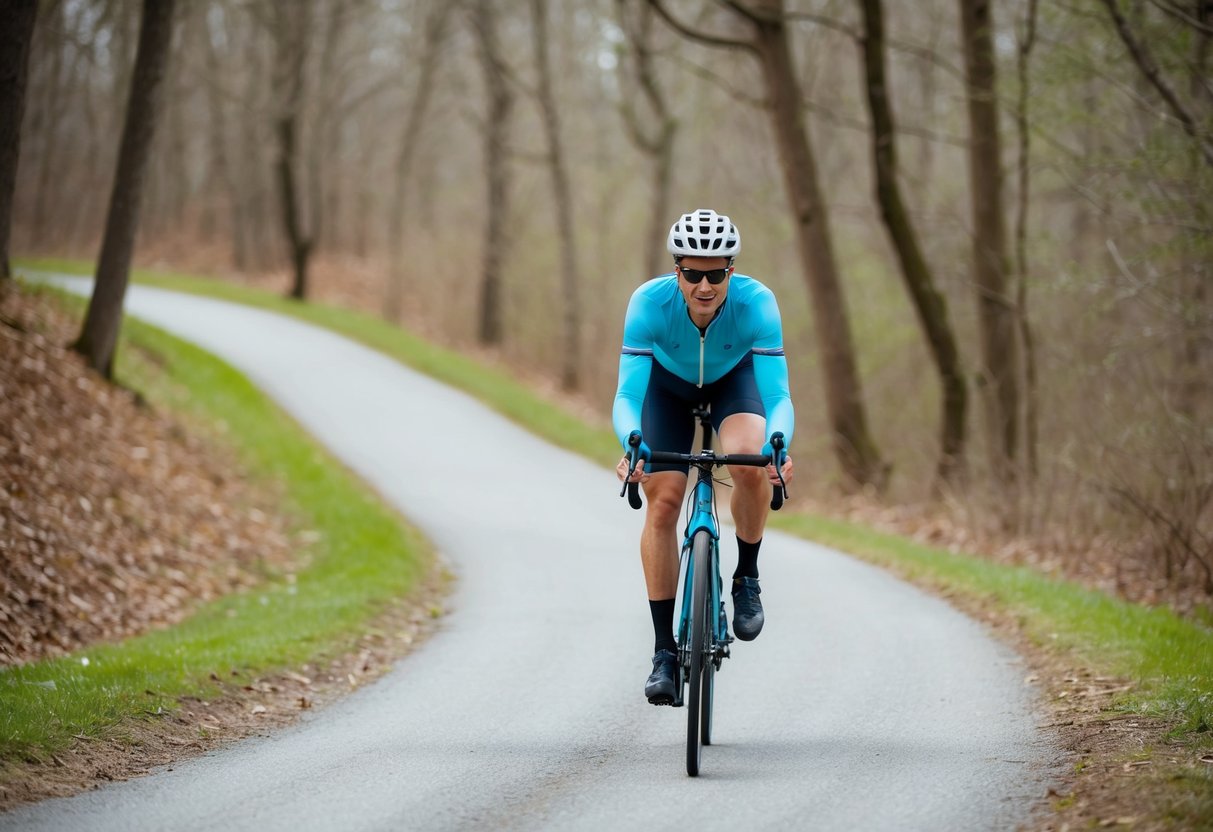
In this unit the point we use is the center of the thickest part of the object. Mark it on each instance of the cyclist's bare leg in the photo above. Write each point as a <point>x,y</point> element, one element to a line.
<point>664,491</point>
<point>742,433</point>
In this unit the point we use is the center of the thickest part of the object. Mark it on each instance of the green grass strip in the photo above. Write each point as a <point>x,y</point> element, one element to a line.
<point>1169,657</point>
<point>365,557</point>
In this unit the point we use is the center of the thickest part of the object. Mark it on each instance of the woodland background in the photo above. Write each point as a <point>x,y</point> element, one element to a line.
<point>501,174</point>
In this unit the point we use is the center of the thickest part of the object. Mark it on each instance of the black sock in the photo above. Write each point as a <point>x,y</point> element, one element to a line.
<point>747,559</point>
<point>663,625</point>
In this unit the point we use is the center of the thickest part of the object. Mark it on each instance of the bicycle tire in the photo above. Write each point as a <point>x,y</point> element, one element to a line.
<point>707,698</point>
<point>701,561</point>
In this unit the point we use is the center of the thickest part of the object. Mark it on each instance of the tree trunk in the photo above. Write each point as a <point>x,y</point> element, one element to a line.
<point>292,24</point>
<point>1192,370</point>
<point>995,311</point>
<point>853,444</point>
<point>430,51</point>
<point>47,127</point>
<point>1026,343</point>
<point>496,168</point>
<point>104,319</point>
<point>16,32</point>
<point>570,279</point>
<point>255,175</point>
<point>928,302</point>
<point>219,153</point>
<point>657,144</point>
<point>323,150</point>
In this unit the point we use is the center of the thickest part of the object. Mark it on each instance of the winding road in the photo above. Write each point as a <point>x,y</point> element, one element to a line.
<point>866,704</point>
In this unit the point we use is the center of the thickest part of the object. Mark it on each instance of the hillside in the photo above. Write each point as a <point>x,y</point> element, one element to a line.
<point>114,519</point>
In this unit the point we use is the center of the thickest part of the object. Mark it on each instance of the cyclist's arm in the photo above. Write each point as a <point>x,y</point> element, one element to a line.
<point>771,368</point>
<point>635,367</point>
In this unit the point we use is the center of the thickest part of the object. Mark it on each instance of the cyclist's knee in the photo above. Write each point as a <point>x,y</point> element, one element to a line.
<point>747,477</point>
<point>664,512</point>
<point>665,506</point>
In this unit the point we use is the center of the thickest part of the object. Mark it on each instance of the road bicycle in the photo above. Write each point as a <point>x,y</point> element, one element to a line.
<point>703,632</point>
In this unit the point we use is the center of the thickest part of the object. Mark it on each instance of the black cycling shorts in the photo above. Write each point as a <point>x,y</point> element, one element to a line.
<point>666,420</point>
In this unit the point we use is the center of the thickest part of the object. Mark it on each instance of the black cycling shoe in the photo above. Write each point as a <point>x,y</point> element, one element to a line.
<point>747,609</point>
<point>661,685</point>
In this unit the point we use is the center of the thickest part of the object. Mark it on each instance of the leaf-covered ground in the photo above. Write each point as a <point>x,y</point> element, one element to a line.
<point>113,518</point>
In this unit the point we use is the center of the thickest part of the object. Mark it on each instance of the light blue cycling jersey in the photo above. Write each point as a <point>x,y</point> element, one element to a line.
<point>658,326</point>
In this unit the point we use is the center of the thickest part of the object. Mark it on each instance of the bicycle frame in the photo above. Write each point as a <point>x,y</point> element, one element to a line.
<point>702,517</point>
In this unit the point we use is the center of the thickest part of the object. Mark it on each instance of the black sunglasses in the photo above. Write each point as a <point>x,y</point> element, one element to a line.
<point>714,276</point>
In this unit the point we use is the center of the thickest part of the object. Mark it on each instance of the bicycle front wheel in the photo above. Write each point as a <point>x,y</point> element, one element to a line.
<point>706,699</point>
<point>701,628</point>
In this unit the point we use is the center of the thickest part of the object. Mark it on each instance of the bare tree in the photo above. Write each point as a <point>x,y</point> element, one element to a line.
<point>995,310</point>
<point>431,49</point>
<point>220,159</point>
<point>1197,342</point>
<point>292,23</point>
<point>1190,381</point>
<point>46,127</point>
<point>500,105</point>
<point>104,319</point>
<point>1031,416</point>
<point>570,279</point>
<point>853,444</point>
<point>928,302</point>
<point>16,32</point>
<point>657,141</point>
<point>1149,68</point>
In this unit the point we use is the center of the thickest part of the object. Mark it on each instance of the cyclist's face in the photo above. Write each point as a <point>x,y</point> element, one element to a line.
<point>703,298</point>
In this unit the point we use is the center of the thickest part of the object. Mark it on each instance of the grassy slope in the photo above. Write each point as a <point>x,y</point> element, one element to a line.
<point>1170,658</point>
<point>365,557</point>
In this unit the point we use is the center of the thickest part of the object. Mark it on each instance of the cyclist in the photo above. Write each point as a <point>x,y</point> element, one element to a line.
<point>701,334</point>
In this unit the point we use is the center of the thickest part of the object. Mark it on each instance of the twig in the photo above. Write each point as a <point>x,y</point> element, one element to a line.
<point>1146,64</point>
<point>696,35</point>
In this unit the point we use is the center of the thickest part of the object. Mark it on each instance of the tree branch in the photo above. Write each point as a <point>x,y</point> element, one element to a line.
<point>1148,68</point>
<point>700,37</point>
<point>749,14</point>
<point>722,83</point>
<point>1180,14</point>
<point>926,54</point>
<point>825,22</point>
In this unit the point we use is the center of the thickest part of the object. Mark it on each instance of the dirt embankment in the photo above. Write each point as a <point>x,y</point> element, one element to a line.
<point>113,518</point>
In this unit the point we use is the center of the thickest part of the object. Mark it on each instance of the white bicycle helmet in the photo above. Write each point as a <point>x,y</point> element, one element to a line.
<point>704,233</point>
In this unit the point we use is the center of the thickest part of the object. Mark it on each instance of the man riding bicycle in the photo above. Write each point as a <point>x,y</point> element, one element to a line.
<point>684,345</point>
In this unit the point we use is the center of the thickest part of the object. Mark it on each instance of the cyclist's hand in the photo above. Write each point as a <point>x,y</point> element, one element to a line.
<point>639,475</point>
<point>775,449</point>
<point>787,472</point>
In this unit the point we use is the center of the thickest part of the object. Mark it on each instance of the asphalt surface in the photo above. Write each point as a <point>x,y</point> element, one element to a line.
<point>865,704</point>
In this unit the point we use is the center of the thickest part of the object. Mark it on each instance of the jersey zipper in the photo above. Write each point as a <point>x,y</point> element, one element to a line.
<point>703,334</point>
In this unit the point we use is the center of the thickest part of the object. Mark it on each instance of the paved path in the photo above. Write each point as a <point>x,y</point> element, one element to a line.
<point>866,704</point>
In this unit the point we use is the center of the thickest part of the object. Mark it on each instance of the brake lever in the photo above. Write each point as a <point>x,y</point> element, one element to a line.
<point>630,488</point>
<point>780,494</point>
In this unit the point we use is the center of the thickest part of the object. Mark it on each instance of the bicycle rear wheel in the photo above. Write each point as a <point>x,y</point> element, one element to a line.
<point>701,568</point>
